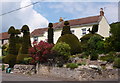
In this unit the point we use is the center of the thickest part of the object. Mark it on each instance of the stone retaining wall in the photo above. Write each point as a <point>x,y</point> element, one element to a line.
<point>77,74</point>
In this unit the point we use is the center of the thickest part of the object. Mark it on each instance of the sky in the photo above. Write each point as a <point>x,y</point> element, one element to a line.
<point>40,14</point>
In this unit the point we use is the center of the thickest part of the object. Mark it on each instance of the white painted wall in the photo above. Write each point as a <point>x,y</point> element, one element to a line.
<point>104,27</point>
<point>57,33</point>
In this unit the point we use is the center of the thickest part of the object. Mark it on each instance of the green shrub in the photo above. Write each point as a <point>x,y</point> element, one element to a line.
<point>62,48</point>
<point>72,65</point>
<point>92,42</point>
<point>50,33</point>
<point>72,41</point>
<point>100,47</point>
<point>109,57</point>
<point>63,52</point>
<point>117,63</point>
<point>82,63</point>
<point>86,37</point>
<point>93,56</point>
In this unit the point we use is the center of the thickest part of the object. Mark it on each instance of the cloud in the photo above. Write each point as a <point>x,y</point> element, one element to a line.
<point>21,17</point>
<point>85,9</point>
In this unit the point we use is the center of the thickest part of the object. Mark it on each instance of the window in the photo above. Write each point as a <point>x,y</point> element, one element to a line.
<point>72,31</point>
<point>35,38</point>
<point>84,31</point>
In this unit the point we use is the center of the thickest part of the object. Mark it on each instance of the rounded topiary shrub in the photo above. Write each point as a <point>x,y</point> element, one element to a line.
<point>72,41</point>
<point>86,37</point>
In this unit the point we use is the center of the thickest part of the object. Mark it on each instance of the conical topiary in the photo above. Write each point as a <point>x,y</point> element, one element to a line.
<point>50,33</point>
<point>66,28</point>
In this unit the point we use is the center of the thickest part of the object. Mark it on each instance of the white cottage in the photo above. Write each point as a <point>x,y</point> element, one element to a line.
<point>79,27</point>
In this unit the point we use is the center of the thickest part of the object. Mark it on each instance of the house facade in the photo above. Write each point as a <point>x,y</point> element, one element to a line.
<point>79,27</point>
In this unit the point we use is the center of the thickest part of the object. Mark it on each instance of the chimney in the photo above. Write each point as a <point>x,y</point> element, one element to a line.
<point>61,19</point>
<point>101,12</point>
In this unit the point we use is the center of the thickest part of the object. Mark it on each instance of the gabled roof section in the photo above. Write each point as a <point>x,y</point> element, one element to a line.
<point>4,35</point>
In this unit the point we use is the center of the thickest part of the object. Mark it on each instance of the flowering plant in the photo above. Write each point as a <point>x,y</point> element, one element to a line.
<point>40,51</point>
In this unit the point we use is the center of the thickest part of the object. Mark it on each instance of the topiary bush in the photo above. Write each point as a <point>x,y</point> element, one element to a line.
<point>50,33</point>
<point>66,28</point>
<point>117,63</point>
<point>12,52</point>
<point>72,65</point>
<point>26,44</point>
<point>86,37</point>
<point>72,41</point>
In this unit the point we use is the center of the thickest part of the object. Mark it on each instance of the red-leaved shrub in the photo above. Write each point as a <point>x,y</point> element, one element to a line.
<point>40,51</point>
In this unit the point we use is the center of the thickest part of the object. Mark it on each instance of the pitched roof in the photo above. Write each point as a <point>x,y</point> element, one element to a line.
<point>74,22</point>
<point>38,32</point>
<point>4,35</point>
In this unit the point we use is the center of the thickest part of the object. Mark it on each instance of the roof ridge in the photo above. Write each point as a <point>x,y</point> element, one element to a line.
<point>84,17</point>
